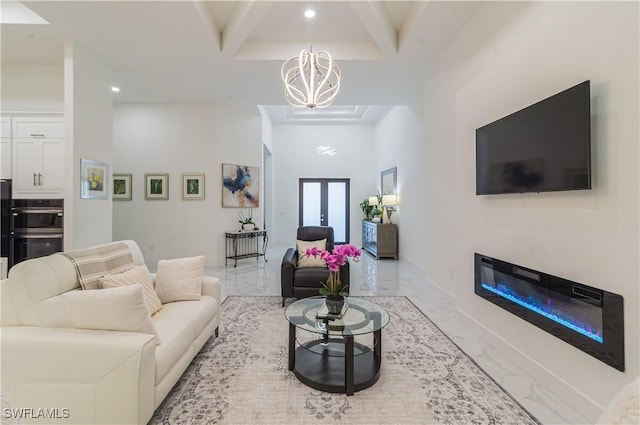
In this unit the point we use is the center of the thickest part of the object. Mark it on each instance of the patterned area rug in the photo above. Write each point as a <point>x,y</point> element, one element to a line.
<point>242,377</point>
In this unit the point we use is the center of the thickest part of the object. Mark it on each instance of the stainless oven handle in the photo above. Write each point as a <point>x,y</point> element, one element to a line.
<point>38,211</point>
<point>41,236</point>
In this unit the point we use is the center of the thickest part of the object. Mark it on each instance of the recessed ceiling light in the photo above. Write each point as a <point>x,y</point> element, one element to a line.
<point>309,13</point>
<point>115,89</point>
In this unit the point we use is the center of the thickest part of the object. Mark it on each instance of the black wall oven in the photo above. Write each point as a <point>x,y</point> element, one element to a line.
<point>36,228</point>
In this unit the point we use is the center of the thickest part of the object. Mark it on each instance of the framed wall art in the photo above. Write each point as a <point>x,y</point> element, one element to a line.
<point>94,177</point>
<point>193,186</point>
<point>240,186</point>
<point>121,187</point>
<point>156,186</point>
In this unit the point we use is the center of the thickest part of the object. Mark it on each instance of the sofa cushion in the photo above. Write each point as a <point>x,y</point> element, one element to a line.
<point>180,279</point>
<point>113,309</point>
<point>138,275</point>
<point>178,324</point>
<point>33,287</point>
<point>310,261</point>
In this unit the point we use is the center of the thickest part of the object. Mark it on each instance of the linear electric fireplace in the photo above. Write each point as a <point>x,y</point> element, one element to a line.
<point>588,318</point>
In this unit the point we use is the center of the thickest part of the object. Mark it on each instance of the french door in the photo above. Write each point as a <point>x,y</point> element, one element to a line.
<point>325,202</point>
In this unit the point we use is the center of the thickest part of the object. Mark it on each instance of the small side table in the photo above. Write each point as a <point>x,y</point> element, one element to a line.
<point>245,244</point>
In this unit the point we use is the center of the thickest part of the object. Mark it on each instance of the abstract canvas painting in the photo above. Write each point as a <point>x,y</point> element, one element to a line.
<point>240,186</point>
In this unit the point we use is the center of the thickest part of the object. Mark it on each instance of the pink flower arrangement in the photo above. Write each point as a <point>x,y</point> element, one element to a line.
<point>335,259</point>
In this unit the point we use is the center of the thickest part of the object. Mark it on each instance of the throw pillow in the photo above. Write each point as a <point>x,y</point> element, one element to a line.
<point>180,279</point>
<point>311,261</point>
<point>137,275</point>
<point>113,309</point>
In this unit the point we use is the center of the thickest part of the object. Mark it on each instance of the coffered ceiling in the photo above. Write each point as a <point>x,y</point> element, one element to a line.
<point>232,51</point>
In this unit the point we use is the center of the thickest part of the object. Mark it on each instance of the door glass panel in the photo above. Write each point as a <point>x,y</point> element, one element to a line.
<point>311,204</point>
<point>337,198</point>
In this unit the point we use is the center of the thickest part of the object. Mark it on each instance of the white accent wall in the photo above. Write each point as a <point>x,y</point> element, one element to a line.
<point>38,88</point>
<point>400,143</point>
<point>177,139</point>
<point>508,56</point>
<point>88,134</point>
<point>295,157</point>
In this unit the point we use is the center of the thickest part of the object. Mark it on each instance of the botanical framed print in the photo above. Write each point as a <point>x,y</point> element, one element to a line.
<point>121,187</point>
<point>193,186</point>
<point>156,186</point>
<point>93,179</point>
<point>240,186</point>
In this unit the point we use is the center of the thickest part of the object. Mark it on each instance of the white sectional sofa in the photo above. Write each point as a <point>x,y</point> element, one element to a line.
<point>89,376</point>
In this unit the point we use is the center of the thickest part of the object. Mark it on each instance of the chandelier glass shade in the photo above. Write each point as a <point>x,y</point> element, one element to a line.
<point>311,79</point>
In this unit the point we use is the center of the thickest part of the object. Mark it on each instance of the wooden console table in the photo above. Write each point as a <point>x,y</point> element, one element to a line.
<point>380,240</point>
<point>245,244</point>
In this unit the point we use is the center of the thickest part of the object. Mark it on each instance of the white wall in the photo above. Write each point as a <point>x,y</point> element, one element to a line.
<point>509,56</point>
<point>267,172</point>
<point>400,143</point>
<point>88,134</point>
<point>295,157</point>
<point>179,139</point>
<point>32,88</point>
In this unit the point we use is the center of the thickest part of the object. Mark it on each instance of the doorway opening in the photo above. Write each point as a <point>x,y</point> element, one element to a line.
<point>325,202</point>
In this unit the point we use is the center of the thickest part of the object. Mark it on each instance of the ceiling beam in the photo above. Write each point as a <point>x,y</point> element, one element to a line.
<point>246,16</point>
<point>207,17</point>
<point>374,18</point>
<point>411,22</point>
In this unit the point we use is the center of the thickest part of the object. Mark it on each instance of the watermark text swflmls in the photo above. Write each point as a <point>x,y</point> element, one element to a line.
<point>35,413</point>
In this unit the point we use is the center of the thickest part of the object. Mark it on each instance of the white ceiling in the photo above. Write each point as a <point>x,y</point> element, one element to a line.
<point>231,51</point>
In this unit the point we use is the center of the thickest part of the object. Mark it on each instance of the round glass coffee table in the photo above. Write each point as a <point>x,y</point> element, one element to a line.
<point>336,354</point>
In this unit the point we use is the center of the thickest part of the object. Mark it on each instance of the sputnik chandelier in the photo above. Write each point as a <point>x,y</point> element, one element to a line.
<point>311,79</point>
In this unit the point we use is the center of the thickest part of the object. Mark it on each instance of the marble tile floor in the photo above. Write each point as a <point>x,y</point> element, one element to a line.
<point>401,278</point>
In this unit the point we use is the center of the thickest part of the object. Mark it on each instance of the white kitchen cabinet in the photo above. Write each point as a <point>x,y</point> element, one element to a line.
<point>38,157</point>
<point>5,148</point>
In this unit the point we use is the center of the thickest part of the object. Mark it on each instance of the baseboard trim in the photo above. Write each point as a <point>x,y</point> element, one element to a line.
<point>570,395</point>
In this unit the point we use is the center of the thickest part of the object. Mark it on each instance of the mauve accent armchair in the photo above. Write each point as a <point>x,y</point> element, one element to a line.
<point>306,282</point>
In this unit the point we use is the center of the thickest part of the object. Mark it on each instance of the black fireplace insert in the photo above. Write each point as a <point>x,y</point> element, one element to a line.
<point>588,318</point>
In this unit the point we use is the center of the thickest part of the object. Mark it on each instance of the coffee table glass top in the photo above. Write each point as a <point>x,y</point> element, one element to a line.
<point>361,317</point>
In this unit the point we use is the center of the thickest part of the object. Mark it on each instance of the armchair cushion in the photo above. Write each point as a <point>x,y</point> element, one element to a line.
<point>311,277</point>
<point>310,261</point>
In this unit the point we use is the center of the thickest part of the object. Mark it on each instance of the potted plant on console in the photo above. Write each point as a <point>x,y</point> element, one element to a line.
<point>246,221</point>
<point>367,208</point>
<point>332,288</point>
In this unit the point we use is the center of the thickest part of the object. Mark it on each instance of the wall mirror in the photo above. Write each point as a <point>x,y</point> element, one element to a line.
<point>388,181</point>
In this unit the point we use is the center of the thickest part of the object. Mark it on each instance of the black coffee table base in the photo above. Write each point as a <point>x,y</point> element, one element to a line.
<point>334,373</point>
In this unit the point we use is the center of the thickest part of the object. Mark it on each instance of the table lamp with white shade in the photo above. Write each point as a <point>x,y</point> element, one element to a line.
<point>389,202</point>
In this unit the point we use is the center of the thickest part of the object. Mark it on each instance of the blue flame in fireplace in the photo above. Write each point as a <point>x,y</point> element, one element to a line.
<point>547,311</point>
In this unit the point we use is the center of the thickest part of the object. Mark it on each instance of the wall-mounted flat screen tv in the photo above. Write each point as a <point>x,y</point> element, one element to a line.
<point>544,147</point>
